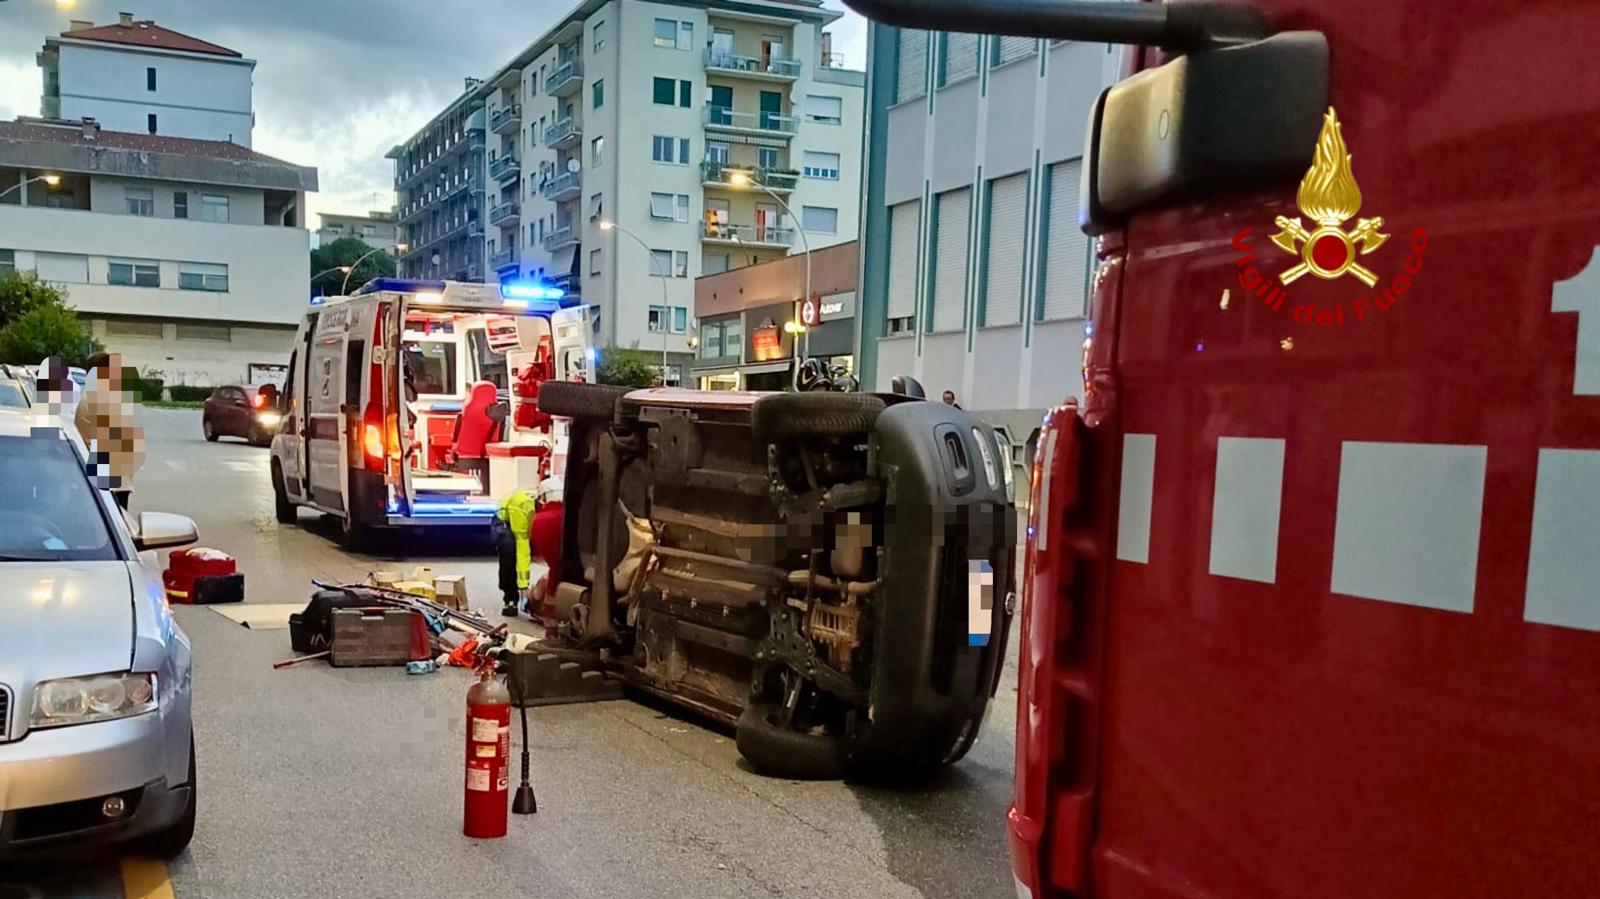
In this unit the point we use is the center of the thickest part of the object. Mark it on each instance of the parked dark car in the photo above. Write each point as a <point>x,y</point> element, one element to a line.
<point>248,412</point>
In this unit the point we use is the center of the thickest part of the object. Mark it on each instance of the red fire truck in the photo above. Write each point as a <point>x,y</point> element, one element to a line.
<point>1312,586</point>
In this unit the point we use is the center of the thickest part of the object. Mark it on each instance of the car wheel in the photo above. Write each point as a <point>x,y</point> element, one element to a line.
<point>171,841</point>
<point>257,438</point>
<point>772,747</point>
<point>282,507</point>
<point>572,399</point>
<point>353,535</point>
<point>209,430</point>
<point>790,415</point>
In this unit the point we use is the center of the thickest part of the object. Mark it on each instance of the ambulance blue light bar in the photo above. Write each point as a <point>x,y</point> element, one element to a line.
<point>523,290</point>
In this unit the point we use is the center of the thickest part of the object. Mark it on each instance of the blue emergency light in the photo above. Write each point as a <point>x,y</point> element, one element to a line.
<point>523,290</point>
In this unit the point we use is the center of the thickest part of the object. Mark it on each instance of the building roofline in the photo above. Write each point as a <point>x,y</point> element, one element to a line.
<point>112,46</point>
<point>55,145</point>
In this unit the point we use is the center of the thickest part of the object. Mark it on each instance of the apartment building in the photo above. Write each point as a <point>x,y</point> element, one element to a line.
<point>439,188</point>
<point>667,119</point>
<point>189,257</point>
<point>974,272</point>
<point>136,76</point>
<point>375,229</point>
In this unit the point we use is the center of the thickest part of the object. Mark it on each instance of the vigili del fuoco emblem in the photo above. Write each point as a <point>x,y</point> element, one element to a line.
<point>1329,196</point>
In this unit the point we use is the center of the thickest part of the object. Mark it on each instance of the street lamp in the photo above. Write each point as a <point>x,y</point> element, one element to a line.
<point>348,270</point>
<point>49,180</point>
<point>739,178</point>
<point>666,310</point>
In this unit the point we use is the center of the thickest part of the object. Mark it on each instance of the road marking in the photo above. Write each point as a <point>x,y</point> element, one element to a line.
<point>1564,553</point>
<point>1138,490</point>
<point>144,878</point>
<point>1245,508</point>
<point>244,467</point>
<point>1408,523</point>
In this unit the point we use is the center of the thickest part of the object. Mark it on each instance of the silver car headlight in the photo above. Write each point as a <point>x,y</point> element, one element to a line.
<point>101,697</point>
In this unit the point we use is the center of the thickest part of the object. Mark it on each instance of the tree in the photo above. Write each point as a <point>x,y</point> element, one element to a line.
<point>22,291</point>
<point>326,261</point>
<point>628,367</point>
<point>44,331</point>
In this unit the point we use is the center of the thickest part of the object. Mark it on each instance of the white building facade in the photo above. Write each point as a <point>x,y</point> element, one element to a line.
<point>137,76</point>
<point>375,229</point>
<point>640,113</point>
<point>975,274</point>
<point>190,258</point>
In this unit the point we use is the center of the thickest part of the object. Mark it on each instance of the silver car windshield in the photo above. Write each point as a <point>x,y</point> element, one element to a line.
<point>48,510</point>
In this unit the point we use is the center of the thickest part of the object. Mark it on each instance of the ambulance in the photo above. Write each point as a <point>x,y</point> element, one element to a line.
<point>415,403</point>
<point>1312,579</point>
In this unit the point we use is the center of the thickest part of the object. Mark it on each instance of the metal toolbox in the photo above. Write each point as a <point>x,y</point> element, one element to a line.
<point>366,637</point>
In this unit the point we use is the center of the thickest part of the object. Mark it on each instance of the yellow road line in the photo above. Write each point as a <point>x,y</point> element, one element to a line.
<point>144,878</point>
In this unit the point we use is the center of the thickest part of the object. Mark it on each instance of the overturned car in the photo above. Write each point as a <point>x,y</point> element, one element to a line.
<point>822,570</point>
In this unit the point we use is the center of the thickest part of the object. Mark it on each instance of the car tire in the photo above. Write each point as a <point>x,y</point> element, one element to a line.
<point>353,535</point>
<point>257,438</point>
<point>208,429</point>
<point>572,399</point>
<point>787,416</point>
<point>281,506</point>
<point>170,842</point>
<point>774,748</point>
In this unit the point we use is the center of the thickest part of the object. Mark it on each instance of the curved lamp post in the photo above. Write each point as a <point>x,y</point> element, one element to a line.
<point>51,180</point>
<point>666,309</point>
<point>348,270</point>
<point>738,178</point>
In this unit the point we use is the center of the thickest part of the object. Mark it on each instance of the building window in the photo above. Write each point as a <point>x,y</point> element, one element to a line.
<point>180,205</point>
<point>150,123</point>
<point>684,94</point>
<point>133,273</point>
<point>912,69</point>
<point>199,331</point>
<point>597,149</point>
<point>825,110</point>
<point>596,206</point>
<point>594,262</point>
<point>820,165</point>
<point>674,34</point>
<point>669,207</point>
<point>134,327</point>
<point>141,200</point>
<point>150,78</point>
<point>674,262</point>
<point>1011,49</point>
<point>202,276</point>
<point>669,318</point>
<point>369,230</point>
<point>599,39</point>
<point>717,151</point>
<point>819,219</point>
<point>8,261</point>
<point>713,263</point>
<point>662,92</point>
<point>213,208</point>
<point>767,157</point>
<point>599,94</point>
<point>959,59</point>
<point>672,150</point>
<point>62,268</point>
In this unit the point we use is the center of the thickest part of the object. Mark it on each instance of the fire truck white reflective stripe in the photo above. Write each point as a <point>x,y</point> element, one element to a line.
<point>1138,489</point>
<point>1564,555</point>
<point>1245,507</point>
<point>1408,521</point>
<point>1581,294</point>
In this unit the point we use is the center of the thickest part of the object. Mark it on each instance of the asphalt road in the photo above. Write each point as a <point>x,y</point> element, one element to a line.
<point>319,782</point>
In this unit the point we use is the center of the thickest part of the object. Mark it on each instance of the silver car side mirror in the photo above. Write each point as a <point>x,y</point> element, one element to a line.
<point>160,530</point>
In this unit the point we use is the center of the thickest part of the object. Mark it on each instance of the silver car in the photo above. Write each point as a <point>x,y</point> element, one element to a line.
<point>96,745</point>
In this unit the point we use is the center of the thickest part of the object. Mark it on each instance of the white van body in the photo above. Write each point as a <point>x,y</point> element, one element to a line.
<point>356,444</point>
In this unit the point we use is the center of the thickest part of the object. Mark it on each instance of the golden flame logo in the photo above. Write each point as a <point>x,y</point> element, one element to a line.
<point>1328,196</point>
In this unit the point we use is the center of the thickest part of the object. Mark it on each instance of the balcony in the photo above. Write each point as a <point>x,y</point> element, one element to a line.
<point>565,80</point>
<point>560,239</point>
<point>506,119</point>
<point>503,259</point>
<point>766,68</point>
<point>505,214</point>
<point>563,187</point>
<point>563,134</point>
<point>746,235</point>
<point>504,167</point>
<point>718,174</point>
<point>721,118</point>
<point>474,228</point>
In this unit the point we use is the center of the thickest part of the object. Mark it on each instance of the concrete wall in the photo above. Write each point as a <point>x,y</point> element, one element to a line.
<point>268,267</point>
<point>196,95</point>
<point>833,271</point>
<point>109,196</point>
<point>197,362</point>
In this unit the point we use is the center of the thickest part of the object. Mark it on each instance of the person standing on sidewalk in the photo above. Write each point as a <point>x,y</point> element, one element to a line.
<point>105,421</point>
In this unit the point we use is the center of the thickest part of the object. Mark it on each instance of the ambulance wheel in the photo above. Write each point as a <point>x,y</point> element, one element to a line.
<point>281,506</point>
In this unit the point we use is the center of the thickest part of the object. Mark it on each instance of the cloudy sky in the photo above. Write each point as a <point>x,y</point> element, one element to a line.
<point>337,82</point>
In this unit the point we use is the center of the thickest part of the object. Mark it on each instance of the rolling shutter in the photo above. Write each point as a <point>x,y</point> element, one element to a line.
<point>913,64</point>
<point>960,57</point>
<point>1008,49</point>
<point>1067,263</point>
<point>950,260</point>
<point>903,226</point>
<point>1008,207</point>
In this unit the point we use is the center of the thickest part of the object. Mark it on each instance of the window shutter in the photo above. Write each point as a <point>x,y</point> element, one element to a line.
<point>903,227</point>
<point>1013,48</point>
<point>913,64</point>
<point>950,260</point>
<point>1008,201</point>
<point>1067,263</point>
<point>960,57</point>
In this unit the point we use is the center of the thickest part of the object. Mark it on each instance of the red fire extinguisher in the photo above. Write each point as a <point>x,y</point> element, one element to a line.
<point>488,756</point>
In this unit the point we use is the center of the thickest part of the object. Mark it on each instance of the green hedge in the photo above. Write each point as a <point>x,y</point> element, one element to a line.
<point>180,393</point>
<point>150,388</point>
